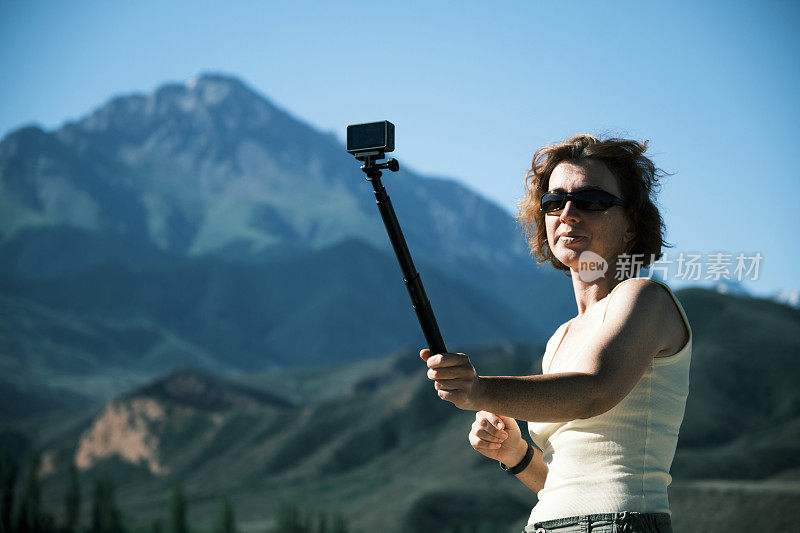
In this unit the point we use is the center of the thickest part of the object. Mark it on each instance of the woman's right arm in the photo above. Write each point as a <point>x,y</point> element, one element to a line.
<point>499,438</point>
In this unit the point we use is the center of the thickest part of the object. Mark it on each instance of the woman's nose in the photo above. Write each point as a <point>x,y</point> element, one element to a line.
<point>570,212</point>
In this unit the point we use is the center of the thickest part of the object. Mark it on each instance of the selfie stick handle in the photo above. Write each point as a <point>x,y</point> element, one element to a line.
<point>422,306</point>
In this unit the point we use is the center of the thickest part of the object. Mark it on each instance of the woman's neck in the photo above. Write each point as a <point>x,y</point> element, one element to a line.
<point>589,293</point>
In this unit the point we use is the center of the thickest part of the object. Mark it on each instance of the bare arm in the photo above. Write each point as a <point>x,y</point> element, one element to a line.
<point>541,398</point>
<point>535,473</point>
<point>612,364</point>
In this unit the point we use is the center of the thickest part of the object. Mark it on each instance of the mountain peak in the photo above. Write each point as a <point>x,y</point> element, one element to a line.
<point>209,105</point>
<point>207,78</point>
<point>210,89</point>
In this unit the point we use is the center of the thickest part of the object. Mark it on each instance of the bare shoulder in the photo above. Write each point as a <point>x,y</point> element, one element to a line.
<point>641,295</point>
<point>654,308</point>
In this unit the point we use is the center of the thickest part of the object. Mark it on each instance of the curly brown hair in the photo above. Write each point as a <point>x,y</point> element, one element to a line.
<point>636,174</point>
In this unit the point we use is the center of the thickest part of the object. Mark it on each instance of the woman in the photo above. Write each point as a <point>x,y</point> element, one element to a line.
<point>606,410</point>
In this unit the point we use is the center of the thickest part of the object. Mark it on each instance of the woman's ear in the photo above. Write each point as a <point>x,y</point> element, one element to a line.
<point>629,235</point>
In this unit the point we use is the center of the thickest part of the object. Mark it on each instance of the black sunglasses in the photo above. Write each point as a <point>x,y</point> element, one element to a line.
<point>586,200</point>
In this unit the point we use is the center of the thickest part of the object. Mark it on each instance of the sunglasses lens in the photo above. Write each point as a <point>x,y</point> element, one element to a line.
<point>593,200</point>
<point>552,201</point>
<point>587,200</point>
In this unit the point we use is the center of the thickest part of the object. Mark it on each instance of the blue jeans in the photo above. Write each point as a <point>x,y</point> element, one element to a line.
<point>605,523</point>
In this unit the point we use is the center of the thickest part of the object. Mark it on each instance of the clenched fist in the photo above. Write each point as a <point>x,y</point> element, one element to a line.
<point>454,378</point>
<point>498,437</point>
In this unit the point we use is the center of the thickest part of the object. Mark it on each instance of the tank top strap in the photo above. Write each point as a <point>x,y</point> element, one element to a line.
<point>611,295</point>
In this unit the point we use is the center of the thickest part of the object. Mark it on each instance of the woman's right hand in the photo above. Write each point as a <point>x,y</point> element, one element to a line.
<point>498,437</point>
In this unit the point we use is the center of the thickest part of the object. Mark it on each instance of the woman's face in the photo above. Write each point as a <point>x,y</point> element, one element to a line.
<point>606,233</point>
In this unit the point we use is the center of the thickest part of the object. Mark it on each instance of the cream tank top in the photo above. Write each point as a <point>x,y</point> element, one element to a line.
<point>619,460</point>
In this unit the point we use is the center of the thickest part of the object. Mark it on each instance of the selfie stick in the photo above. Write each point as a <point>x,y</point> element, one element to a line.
<point>422,306</point>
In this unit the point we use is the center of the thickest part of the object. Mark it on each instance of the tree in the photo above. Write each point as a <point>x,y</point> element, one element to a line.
<point>306,519</point>
<point>155,526</point>
<point>28,512</point>
<point>322,524</point>
<point>105,514</point>
<point>72,501</point>
<point>225,520</point>
<point>177,512</point>
<point>288,519</point>
<point>339,525</point>
<point>8,479</point>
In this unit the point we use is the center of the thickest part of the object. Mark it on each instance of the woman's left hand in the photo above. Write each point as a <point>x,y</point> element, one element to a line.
<point>454,378</point>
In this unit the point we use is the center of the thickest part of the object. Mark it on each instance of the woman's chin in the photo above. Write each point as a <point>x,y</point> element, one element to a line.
<point>569,261</point>
<point>570,253</point>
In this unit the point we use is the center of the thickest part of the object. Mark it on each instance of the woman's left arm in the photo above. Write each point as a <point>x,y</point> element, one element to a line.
<point>631,335</point>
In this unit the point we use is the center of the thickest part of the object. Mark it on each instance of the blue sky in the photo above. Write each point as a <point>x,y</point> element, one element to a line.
<point>473,89</point>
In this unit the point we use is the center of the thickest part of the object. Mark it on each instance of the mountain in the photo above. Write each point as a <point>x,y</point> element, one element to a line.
<point>54,360</point>
<point>373,439</point>
<point>343,303</point>
<point>334,447</point>
<point>139,426</point>
<point>202,225</point>
<point>211,168</point>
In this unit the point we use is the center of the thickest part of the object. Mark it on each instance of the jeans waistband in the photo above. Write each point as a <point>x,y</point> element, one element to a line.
<point>621,518</point>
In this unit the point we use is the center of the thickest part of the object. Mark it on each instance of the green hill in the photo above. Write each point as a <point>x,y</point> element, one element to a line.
<point>744,403</point>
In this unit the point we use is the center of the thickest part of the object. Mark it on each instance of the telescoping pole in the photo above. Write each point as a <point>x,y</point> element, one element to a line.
<point>422,306</point>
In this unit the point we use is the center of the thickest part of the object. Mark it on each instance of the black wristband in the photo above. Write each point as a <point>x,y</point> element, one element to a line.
<point>522,464</point>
